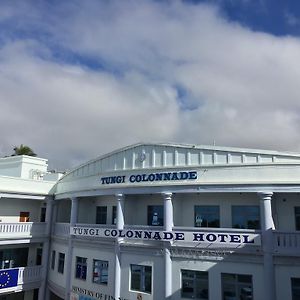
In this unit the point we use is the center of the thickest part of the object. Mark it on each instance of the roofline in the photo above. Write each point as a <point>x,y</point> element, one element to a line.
<point>190,146</point>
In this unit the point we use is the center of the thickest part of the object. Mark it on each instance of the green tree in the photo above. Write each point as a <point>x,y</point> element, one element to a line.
<point>23,150</point>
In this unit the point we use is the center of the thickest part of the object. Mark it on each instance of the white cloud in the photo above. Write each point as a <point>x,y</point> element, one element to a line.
<point>243,85</point>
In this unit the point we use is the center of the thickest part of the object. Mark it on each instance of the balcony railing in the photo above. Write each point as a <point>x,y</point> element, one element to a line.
<point>26,275</point>
<point>286,242</point>
<point>21,230</point>
<point>227,238</point>
<point>61,229</point>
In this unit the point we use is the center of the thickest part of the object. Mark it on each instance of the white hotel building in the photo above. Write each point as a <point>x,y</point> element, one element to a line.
<point>152,222</point>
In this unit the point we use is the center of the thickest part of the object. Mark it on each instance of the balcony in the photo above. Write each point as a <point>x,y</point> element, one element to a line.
<point>22,230</point>
<point>27,278</point>
<point>286,243</point>
<point>229,239</point>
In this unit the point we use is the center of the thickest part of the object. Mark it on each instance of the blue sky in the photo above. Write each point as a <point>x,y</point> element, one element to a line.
<point>279,17</point>
<point>80,78</point>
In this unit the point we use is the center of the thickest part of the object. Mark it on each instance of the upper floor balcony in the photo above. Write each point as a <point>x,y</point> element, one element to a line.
<point>18,279</point>
<point>21,230</point>
<point>229,239</point>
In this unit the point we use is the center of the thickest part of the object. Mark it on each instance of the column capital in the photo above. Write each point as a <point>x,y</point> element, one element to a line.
<point>120,196</point>
<point>265,195</point>
<point>167,195</point>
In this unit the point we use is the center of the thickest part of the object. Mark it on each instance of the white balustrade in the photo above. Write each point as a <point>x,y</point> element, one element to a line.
<point>286,242</point>
<point>61,229</point>
<point>21,229</point>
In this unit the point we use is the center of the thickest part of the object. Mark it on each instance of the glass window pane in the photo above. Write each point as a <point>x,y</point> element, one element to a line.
<point>101,215</point>
<point>194,284</point>
<point>295,288</point>
<point>245,217</point>
<point>100,272</point>
<point>141,278</point>
<point>297,217</point>
<point>155,215</point>
<point>207,216</point>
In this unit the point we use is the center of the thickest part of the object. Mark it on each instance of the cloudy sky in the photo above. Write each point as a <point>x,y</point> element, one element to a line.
<point>81,78</point>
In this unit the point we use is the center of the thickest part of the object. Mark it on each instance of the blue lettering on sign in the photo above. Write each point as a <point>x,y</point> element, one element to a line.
<point>163,176</point>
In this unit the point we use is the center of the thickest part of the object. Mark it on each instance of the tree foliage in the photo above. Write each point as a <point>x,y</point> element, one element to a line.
<point>23,150</point>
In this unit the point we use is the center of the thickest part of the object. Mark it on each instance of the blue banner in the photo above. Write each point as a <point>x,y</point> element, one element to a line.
<point>8,278</point>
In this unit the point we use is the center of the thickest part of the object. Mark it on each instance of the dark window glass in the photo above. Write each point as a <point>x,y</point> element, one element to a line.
<point>12,258</point>
<point>53,259</point>
<point>81,267</point>
<point>235,286</point>
<point>114,215</point>
<point>194,284</point>
<point>141,278</point>
<point>155,215</point>
<point>207,216</point>
<point>43,214</point>
<point>297,217</point>
<point>245,217</point>
<point>295,288</point>
<point>101,215</point>
<point>61,262</point>
<point>100,271</point>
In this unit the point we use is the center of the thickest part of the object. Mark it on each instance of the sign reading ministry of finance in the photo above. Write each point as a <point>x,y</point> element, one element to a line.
<point>197,237</point>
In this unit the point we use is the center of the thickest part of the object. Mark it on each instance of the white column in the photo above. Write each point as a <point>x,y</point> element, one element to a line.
<point>267,225</point>
<point>120,225</point>
<point>73,221</point>
<point>43,290</point>
<point>168,226</point>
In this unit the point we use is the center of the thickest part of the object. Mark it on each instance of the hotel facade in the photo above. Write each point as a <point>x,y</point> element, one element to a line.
<point>152,222</point>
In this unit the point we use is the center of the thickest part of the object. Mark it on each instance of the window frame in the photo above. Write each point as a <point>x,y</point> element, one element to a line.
<point>297,217</point>
<point>53,258</point>
<point>237,284</point>
<point>245,214</point>
<point>61,262</point>
<point>99,215</point>
<point>195,284</point>
<point>209,214</point>
<point>155,209</point>
<point>144,272</point>
<point>82,265</point>
<point>101,271</point>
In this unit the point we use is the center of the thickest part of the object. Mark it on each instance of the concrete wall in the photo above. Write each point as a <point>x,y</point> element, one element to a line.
<point>11,208</point>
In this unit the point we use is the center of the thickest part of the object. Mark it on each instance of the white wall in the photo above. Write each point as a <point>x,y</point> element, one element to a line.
<point>157,264</point>
<point>11,208</point>
<point>284,206</point>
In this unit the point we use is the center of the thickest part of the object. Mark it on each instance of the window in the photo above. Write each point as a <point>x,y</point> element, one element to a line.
<point>43,214</point>
<point>61,263</point>
<point>24,216</point>
<point>235,286</point>
<point>141,277</point>
<point>114,215</point>
<point>207,216</point>
<point>297,217</point>
<point>295,288</point>
<point>53,260</point>
<point>194,284</point>
<point>100,271</point>
<point>156,215</point>
<point>81,268</point>
<point>101,214</point>
<point>246,217</point>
